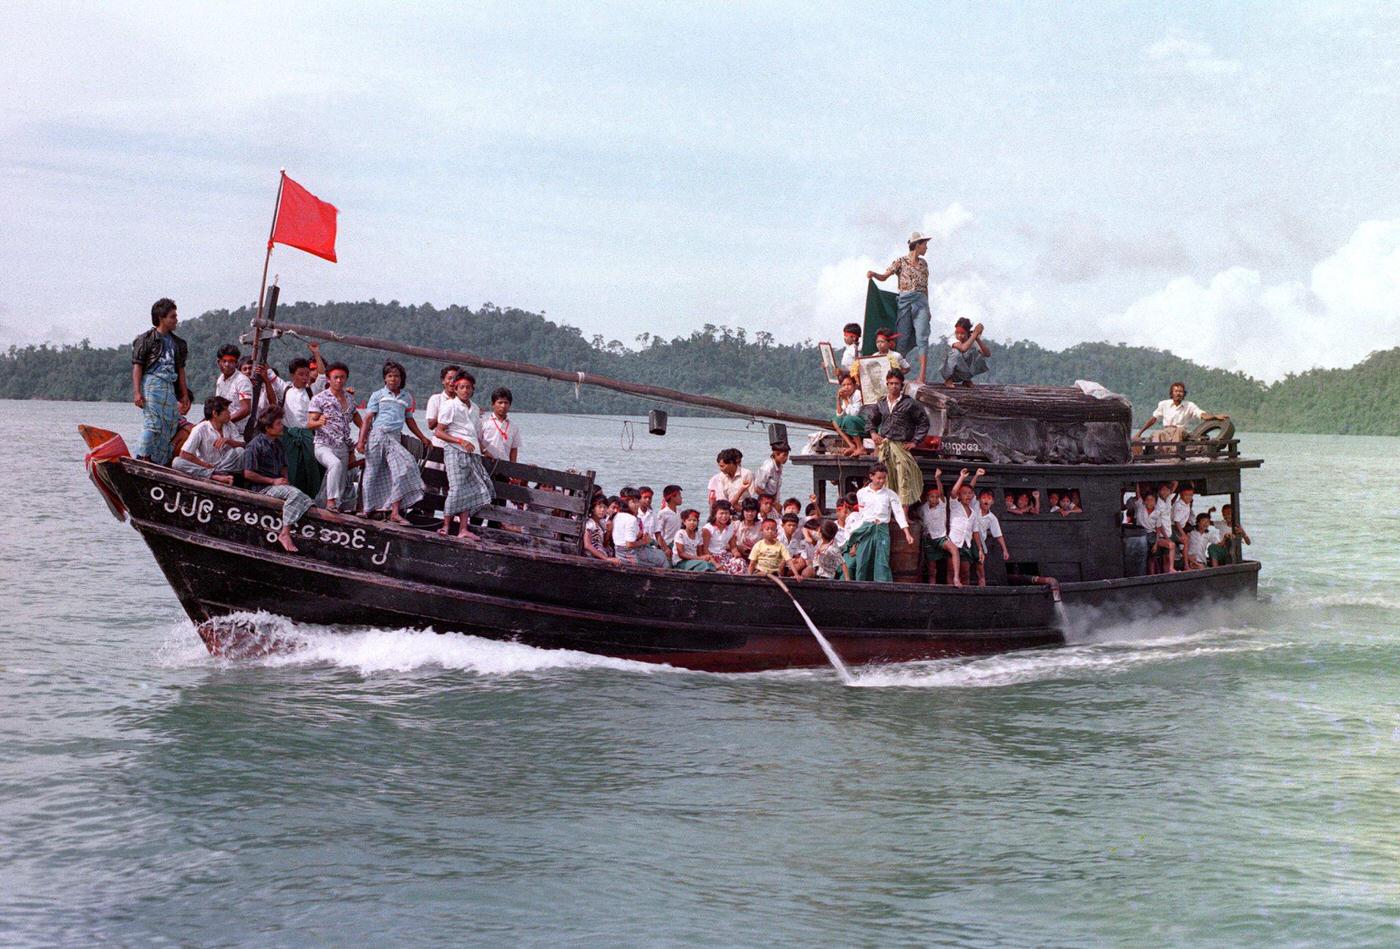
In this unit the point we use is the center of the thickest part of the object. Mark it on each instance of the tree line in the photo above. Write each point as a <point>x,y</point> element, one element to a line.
<point>713,360</point>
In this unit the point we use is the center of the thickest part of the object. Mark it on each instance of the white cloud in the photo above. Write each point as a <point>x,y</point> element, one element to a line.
<point>1178,54</point>
<point>942,225</point>
<point>1082,249</point>
<point>1349,307</point>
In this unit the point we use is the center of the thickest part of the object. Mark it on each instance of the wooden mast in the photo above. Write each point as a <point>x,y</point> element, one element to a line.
<point>526,369</point>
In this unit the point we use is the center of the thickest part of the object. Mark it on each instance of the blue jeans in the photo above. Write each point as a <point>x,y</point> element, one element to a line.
<point>912,322</point>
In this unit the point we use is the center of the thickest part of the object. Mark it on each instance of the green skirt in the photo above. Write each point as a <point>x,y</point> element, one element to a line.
<point>852,425</point>
<point>1219,553</point>
<point>694,566</point>
<point>906,480</point>
<point>872,556</point>
<point>934,550</point>
<point>303,471</point>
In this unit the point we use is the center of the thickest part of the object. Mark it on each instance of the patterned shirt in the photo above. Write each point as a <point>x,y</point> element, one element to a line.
<point>913,275</point>
<point>336,432</point>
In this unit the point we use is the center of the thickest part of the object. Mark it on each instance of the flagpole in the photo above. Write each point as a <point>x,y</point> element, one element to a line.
<point>262,296</point>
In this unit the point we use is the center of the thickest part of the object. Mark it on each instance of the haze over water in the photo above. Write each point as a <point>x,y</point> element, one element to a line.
<point>1230,782</point>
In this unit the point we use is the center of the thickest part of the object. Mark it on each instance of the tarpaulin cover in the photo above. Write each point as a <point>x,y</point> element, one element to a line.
<point>1034,424</point>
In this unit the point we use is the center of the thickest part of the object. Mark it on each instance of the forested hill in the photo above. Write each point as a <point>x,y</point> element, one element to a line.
<point>716,361</point>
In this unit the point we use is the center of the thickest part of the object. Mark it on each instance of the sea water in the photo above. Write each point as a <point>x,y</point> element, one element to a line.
<point>1231,779</point>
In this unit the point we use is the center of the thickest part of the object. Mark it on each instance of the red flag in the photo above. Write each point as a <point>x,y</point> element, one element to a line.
<point>304,221</point>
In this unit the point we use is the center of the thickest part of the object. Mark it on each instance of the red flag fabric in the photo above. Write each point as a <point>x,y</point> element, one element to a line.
<point>304,221</point>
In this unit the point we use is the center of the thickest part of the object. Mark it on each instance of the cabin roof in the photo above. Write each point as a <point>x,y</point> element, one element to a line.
<point>1043,403</point>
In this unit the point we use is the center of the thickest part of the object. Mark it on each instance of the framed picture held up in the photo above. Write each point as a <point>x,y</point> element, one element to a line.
<point>828,362</point>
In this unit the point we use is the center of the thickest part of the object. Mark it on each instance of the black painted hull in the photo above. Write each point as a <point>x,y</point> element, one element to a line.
<point>216,547</point>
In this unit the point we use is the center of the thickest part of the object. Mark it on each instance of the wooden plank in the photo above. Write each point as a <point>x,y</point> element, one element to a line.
<point>515,515</point>
<point>574,504</point>
<point>528,541</point>
<point>499,468</point>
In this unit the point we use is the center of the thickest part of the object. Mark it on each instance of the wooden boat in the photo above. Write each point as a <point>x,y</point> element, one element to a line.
<point>527,579</point>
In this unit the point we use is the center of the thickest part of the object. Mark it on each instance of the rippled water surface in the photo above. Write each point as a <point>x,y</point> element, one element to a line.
<point>1231,780</point>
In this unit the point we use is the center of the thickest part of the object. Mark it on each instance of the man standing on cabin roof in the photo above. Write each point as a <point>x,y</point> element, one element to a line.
<point>158,378</point>
<point>898,423</point>
<point>1176,415</point>
<point>913,318</point>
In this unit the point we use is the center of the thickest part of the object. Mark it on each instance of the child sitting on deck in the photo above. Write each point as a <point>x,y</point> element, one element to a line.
<point>848,422</point>
<point>967,354</point>
<point>594,531</point>
<point>1200,542</point>
<point>265,470</point>
<point>749,528</point>
<point>871,540</point>
<point>213,449</point>
<point>768,555</point>
<point>792,537</point>
<point>668,519</point>
<point>689,545</point>
<point>719,539</point>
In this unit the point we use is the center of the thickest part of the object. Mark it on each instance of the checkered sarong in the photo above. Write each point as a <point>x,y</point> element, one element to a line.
<point>295,503</point>
<point>468,487</point>
<point>160,419</point>
<point>391,473</point>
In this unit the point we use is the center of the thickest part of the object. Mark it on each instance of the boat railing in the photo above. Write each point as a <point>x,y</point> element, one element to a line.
<point>1149,452</point>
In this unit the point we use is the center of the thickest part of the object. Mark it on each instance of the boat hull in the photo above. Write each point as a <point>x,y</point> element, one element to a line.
<point>217,548</point>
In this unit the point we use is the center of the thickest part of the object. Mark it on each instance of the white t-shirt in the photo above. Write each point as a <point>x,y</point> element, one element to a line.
<point>499,437</point>
<point>722,487</point>
<point>843,534</point>
<point>236,388</point>
<point>988,526</point>
<point>849,355</point>
<point>797,544</point>
<point>880,506</point>
<point>1181,514</point>
<point>854,404</point>
<point>648,522</point>
<point>295,402</point>
<point>1196,543</point>
<point>625,529</point>
<point>1185,415</point>
<point>461,420</point>
<point>689,546</point>
<point>435,402</point>
<point>719,539</point>
<point>962,525</point>
<point>202,438</point>
<point>935,519</point>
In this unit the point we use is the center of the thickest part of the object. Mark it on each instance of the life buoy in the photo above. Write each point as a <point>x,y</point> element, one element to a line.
<point>1219,431</point>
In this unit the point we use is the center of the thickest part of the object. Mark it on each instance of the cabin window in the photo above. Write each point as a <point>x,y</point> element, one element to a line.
<point>1021,501</point>
<point>1065,501</point>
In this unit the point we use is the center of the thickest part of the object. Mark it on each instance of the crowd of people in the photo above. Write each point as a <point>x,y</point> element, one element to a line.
<point>303,452</point>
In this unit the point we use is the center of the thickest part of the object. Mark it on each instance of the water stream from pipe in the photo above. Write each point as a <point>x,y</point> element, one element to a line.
<point>831,654</point>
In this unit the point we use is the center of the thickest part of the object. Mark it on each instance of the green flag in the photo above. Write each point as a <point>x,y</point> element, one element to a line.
<point>880,312</point>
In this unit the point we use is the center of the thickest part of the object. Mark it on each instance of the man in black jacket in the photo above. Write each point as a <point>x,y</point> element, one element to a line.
<point>899,423</point>
<point>158,380</point>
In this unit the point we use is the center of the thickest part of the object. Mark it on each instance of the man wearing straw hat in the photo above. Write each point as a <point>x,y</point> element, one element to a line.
<point>913,317</point>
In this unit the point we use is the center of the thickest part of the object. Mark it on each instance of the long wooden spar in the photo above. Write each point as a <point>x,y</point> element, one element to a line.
<point>526,369</point>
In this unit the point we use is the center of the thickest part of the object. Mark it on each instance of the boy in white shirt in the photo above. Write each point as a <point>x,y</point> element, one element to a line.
<point>232,384</point>
<point>448,375</point>
<point>214,448</point>
<point>878,505</point>
<point>769,479</point>
<point>884,346</point>
<point>733,480</point>
<point>1198,543</point>
<point>1156,519</point>
<point>933,512</point>
<point>1183,517</point>
<point>988,528</point>
<point>963,521</point>
<point>849,355</point>
<point>792,537</point>
<point>500,437</point>
<point>630,544</point>
<point>668,519</point>
<point>654,553</point>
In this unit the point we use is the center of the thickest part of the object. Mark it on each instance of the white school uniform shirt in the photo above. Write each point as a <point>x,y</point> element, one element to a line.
<point>935,520</point>
<point>769,479</point>
<point>719,539</point>
<point>295,402</point>
<point>626,528</point>
<point>879,506</point>
<point>435,402</point>
<point>854,404</point>
<point>722,486</point>
<point>1184,415</point>
<point>962,525</point>
<point>1196,543</point>
<point>235,388</point>
<point>668,522</point>
<point>462,420</point>
<point>988,526</point>
<point>689,546</point>
<point>849,355</point>
<point>1181,513</point>
<point>499,437</point>
<point>202,438</point>
<point>648,522</point>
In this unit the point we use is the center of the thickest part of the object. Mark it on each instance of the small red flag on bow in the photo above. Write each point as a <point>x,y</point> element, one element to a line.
<point>304,221</point>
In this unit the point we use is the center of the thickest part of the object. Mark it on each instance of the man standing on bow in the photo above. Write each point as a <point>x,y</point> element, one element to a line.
<point>912,317</point>
<point>158,378</point>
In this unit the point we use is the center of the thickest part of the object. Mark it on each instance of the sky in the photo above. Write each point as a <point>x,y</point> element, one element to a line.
<point>1216,180</point>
